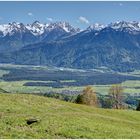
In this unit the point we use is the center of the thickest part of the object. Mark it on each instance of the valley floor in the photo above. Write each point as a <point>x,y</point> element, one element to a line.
<point>59,119</point>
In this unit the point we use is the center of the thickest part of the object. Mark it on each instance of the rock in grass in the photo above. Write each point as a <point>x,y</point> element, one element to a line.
<point>32,120</point>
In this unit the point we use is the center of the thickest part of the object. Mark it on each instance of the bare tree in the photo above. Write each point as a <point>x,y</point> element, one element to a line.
<point>116,96</point>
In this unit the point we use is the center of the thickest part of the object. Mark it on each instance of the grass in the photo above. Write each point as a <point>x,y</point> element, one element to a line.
<point>60,119</point>
<point>3,91</point>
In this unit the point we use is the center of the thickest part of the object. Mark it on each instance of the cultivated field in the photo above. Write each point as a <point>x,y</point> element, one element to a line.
<point>33,79</point>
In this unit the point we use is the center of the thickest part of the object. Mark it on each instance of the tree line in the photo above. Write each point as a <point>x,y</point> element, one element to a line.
<point>113,100</point>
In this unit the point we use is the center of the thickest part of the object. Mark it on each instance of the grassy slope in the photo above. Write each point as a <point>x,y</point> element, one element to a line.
<point>59,119</point>
<point>3,91</point>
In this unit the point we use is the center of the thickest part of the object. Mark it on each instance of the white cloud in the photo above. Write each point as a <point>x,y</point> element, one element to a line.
<point>83,20</point>
<point>30,14</point>
<point>49,19</point>
<point>120,4</point>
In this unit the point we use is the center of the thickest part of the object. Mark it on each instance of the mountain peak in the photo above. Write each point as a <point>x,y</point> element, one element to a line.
<point>127,26</point>
<point>37,24</point>
<point>36,28</point>
<point>12,28</point>
<point>96,27</point>
<point>63,25</point>
<point>36,21</point>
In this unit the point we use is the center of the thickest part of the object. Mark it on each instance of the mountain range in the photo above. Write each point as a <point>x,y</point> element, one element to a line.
<point>115,46</point>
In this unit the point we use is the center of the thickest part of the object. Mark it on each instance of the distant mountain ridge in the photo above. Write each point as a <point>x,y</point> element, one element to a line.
<point>14,36</point>
<point>36,28</point>
<point>116,45</point>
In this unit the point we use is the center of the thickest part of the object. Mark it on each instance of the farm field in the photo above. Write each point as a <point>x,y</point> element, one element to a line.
<point>130,87</point>
<point>35,79</point>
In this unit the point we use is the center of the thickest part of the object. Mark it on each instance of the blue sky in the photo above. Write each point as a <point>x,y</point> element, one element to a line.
<point>79,14</point>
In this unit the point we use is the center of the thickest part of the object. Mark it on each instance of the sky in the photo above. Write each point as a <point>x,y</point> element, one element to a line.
<point>79,14</point>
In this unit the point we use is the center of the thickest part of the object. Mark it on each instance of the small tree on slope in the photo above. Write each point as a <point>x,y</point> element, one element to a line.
<point>116,97</point>
<point>87,97</point>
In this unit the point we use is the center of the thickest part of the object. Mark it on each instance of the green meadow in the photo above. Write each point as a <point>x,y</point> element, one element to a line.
<point>59,119</point>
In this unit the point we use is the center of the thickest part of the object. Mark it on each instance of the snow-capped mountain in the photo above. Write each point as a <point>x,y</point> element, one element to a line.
<point>11,28</point>
<point>63,25</point>
<point>126,26</point>
<point>131,27</point>
<point>15,35</point>
<point>36,28</point>
<point>96,27</point>
<point>116,45</point>
<point>59,30</point>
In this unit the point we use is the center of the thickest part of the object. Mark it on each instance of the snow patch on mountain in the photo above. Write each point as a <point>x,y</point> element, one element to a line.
<point>63,25</point>
<point>11,28</point>
<point>37,28</point>
<point>131,27</point>
<point>96,27</point>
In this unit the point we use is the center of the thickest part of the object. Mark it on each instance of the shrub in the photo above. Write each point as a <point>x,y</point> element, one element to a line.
<point>87,97</point>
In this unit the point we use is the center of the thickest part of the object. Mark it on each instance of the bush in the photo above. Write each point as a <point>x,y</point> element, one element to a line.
<point>88,97</point>
<point>105,102</point>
